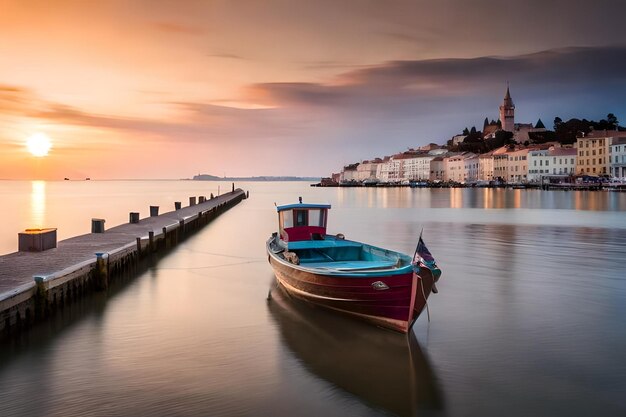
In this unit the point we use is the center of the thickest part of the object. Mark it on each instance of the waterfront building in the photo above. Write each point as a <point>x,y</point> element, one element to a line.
<point>617,158</point>
<point>500,163</point>
<point>472,163</point>
<point>553,161</point>
<point>485,167</point>
<point>457,167</point>
<point>507,112</point>
<point>407,165</point>
<point>367,170</point>
<point>417,168</point>
<point>517,166</point>
<point>437,169</point>
<point>593,151</point>
<point>349,173</point>
<point>538,164</point>
<point>389,170</point>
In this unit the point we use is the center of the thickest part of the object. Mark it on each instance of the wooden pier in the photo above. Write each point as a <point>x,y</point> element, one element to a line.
<point>34,284</point>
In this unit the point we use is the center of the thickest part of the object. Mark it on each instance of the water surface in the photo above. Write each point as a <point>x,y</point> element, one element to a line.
<point>529,319</point>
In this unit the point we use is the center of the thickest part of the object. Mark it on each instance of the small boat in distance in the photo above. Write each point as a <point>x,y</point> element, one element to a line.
<point>383,287</point>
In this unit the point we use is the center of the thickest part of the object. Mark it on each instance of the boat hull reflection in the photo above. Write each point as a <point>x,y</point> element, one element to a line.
<point>384,369</point>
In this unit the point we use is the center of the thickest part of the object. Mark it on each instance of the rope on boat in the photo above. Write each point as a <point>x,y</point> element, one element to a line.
<point>191,268</point>
<point>425,300</point>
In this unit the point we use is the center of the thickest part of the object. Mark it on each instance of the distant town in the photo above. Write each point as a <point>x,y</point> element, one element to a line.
<point>504,152</point>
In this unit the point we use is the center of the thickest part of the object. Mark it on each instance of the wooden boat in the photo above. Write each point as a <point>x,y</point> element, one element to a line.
<point>383,287</point>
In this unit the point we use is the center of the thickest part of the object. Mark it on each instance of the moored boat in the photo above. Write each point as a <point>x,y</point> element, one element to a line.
<point>381,286</point>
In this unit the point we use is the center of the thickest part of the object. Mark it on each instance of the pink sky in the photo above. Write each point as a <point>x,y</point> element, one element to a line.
<point>169,89</point>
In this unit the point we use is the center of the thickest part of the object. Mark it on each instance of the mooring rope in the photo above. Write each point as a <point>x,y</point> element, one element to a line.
<point>207,267</point>
<point>425,300</point>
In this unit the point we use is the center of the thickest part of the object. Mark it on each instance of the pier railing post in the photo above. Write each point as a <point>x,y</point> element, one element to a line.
<point>102,273</point>
<point>192,201</point>
<point>41,297</point>
<point>151,240</point>
<point>177,205</point>
<point>138,247</point>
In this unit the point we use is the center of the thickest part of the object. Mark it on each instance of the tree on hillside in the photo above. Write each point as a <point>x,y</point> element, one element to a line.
<point>612,120</point>
<point>501,138</point>
<point>473,131</point>
<point>465,131</point>
<point>485,123</point>
<point>557,122</point>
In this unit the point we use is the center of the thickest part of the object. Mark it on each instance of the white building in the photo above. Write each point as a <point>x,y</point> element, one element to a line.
<point>367,170</point>
<point>472,166</point>
<point>617,157</point>
<point>417,168</point>
<point>349,173</point>
<point>538,164</point>
<point>390,170</point>
<point>457,167</point>
<point>485,167</point>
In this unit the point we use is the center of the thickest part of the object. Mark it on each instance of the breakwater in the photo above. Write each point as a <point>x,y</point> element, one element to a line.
<point>33,285</point>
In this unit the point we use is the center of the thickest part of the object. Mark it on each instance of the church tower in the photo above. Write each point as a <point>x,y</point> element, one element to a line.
<point>507,112</point>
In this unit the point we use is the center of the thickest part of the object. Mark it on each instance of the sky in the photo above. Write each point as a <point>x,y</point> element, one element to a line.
<point>170,89</point>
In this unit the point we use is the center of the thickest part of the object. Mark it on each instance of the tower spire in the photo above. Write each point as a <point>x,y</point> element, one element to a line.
<point>507,111</point>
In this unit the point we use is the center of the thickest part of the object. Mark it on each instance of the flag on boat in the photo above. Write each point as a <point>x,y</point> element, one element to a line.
<point>422,253</point>
<point>424,257</point>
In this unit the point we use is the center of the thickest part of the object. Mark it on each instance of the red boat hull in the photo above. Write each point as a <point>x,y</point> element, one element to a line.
<point>395,308</point>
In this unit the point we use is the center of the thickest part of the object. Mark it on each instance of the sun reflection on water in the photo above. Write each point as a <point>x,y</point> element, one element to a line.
<point>38,203</point>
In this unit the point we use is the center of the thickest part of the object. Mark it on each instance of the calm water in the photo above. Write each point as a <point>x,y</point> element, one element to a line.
<point>530,318</point>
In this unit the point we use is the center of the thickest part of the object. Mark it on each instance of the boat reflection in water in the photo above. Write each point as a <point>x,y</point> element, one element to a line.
<point>384,369</point>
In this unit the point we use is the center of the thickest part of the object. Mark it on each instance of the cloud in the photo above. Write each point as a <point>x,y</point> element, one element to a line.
<point>14,99</point>
<point>227,56</point>
<point>562,71</point>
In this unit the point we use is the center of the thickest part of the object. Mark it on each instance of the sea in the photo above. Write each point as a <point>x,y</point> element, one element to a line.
<point>530,318</point>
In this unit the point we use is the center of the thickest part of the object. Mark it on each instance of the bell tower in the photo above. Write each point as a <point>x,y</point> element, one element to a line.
<point>507,112</point>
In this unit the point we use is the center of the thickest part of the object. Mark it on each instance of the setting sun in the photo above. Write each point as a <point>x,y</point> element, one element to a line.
<point>39,144</point>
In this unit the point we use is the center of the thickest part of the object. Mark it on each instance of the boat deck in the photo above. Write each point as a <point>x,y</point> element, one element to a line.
<point>350,265</point>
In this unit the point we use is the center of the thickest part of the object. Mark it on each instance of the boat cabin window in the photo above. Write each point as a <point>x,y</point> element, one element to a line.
<point>286,218</point>
<point>301,217</point>
<point>308,217</point>
<point>316,218</point>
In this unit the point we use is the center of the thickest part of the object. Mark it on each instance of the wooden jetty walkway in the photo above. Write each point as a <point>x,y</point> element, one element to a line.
<point>34,284</point>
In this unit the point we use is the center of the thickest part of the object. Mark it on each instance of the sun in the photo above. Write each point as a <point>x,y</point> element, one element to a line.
<point>38,144</point>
